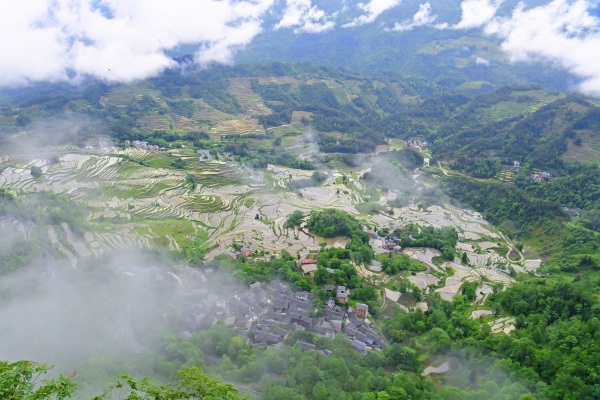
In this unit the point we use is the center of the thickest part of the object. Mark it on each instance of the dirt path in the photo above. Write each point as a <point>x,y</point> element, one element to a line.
<point>442,169</point>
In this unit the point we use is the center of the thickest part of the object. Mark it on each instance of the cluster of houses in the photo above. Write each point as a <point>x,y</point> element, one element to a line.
<point>573,211</point>
<point>416,144</point>
<point>541,176</point>
<point>267,314</point>
<point>387,243</point>
<point>4,159</point>
<point>141,145</point>
<point>235,253</point>
<point>391,244</point>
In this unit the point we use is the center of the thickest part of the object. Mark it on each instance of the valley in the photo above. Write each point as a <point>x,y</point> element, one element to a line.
<point>207,187</point>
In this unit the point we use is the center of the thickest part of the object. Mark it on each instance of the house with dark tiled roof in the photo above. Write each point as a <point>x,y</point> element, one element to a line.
<point>330,304</point>
<point>281,305</point>
<point>359,346</point>
<point>305,346</point>
<point>342,294</point>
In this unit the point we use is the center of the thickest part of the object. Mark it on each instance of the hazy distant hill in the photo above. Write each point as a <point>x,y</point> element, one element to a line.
<point>459,60</point>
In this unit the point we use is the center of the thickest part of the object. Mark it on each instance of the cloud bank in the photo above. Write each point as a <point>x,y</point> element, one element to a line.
<point>127,40</point>
<point>372,9</point>
<point>476,13</point>
<point>563,33</point>
<point>118,40</point>
<point>421,18</point>
<point>305,17</point>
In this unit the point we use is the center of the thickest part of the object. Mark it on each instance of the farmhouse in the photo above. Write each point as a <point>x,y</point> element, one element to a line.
<point>362,310</point>
<point>342,294</point>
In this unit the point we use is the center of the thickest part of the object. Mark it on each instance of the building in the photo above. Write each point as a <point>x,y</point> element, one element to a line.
<point>230,254</point>
<point>138,144</point>
<point>220,307</point>
<point>362,310</point>
<point>342,294</point>
<point>255,286</point>
<point>246,252</point>
<point>359,346</point>
<point>309,268</point>
<point>329,304</point>
<point>308,265</point>
<point>389,244</point>
<point>305,346</point>
<point>541,176</point>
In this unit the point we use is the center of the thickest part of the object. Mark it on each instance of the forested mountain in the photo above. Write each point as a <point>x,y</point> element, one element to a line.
<point>459,60</point>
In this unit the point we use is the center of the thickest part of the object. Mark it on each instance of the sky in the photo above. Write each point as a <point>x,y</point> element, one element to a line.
<point>127,40</point>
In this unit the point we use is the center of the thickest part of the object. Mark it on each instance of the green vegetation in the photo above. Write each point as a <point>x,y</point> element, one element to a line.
<point>295,219</point>
<point>191,179</point>
<point>291,373</point>
<point>503,204</point>
<point>395,263</point>
<point>443,239</point>
<point>555,340</point>
<point>284,268</point>
<point>19,381</point>
<point>180,237</point>
<point>331,222</point>
<point>580,190</point>
<point>344,273</point>
<point>33,212</point>
<point>36,172</point>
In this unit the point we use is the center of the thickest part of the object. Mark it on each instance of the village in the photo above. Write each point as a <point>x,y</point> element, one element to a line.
<point>266,314</point>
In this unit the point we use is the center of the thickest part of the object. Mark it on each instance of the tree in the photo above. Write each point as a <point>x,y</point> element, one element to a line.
<point>36,172</point>
<point>295,219</point>
<point>191,179</point>
<point>18,381</point>
<point>192,384</point>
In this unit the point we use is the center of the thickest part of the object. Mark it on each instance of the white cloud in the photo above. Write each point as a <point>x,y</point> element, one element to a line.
<point>476,13</point>
<point>561,32</point>
<point>482,61</point>
<point>372,9</point>
<point>118,40</point>
<point>421,18</point>
<point>306,17</point>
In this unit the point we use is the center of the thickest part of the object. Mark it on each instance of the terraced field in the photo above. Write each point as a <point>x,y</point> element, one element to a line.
<point>588,151</point>
<point>243,126</point>
<point>241,89</point>
<point>125,95</point>
<point>135,205</point>
<point>507,174</point>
